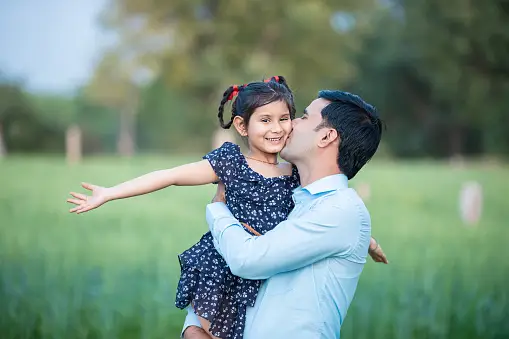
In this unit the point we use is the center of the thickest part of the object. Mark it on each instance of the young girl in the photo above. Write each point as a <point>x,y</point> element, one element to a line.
<point>258,193</point>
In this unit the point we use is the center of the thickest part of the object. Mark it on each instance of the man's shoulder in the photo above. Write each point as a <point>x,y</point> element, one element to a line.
<point>345,198</point>
<point>342,202</point>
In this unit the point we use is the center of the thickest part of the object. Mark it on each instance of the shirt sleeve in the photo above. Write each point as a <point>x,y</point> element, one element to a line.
<point>329,229</point>
<point>191,320</point>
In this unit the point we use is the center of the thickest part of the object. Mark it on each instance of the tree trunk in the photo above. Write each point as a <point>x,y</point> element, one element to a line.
<point>73,148</point>
<point>456,140</point>
<point>126,143</point>
<point>221,136</point>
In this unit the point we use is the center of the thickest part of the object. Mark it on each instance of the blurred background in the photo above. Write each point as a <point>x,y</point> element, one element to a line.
<point>102,91</point>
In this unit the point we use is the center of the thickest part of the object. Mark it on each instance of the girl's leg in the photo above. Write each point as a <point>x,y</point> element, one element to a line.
<point>192,326</point>
<point>205,324</point>
<point>194,332</point>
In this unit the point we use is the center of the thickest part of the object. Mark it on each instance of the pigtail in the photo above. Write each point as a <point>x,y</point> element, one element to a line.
<point>228,95</point>
<point>277,78</point>
<point>281,80</point>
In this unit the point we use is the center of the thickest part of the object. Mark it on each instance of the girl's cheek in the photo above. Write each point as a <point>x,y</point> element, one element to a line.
<point>288,126</point>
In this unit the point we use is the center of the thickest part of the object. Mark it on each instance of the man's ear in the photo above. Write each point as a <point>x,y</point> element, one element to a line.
<point>240,126</point>
<point>328,136</point>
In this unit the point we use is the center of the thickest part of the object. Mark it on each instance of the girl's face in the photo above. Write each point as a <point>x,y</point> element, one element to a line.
<point>268,128</point>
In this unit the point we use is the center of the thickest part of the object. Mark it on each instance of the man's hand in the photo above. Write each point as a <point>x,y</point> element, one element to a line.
<point>195,332</point>
<point>376,252</point>
<point>220,193</point>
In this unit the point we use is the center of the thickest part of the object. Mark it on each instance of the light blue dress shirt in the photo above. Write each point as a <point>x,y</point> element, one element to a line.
<point>312,261</point>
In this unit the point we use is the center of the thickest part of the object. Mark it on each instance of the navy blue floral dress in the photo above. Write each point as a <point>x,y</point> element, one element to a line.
<point>206,281</point>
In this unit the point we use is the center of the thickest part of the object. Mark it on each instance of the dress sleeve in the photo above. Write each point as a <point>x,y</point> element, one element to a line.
<point>225,161</point>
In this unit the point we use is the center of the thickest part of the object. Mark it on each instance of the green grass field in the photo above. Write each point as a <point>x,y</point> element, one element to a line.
<point>111,273</point>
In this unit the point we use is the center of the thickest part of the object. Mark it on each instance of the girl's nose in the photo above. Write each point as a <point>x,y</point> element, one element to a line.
<point>276,127</point>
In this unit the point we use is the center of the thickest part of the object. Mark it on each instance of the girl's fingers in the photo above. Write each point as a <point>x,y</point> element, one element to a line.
<point>84,209</point>
<point>79,196</point>
<point>75,201</point>
<point>88,186</point>
<point>75,209</point>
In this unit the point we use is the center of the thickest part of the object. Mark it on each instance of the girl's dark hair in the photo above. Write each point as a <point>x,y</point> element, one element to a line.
<point>249,97</point>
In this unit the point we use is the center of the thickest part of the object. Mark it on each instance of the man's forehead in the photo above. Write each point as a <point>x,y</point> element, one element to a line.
<point>316,106</point>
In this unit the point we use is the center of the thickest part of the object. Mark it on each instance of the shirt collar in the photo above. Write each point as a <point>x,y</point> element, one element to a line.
<point>327,184</point>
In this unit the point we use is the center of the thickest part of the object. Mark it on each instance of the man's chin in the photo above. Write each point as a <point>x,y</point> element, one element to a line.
<point>284,154</point>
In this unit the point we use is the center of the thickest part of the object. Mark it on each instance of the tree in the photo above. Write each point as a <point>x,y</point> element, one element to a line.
<point>438,71</point>
<point>23,129</point>
<point>114,86</point>
<point>201,47</point>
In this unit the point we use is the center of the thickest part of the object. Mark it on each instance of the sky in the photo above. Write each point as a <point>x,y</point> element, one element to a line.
<point>52,45</point>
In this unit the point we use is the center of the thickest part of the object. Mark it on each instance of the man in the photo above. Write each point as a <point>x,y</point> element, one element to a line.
<point>313,260</point>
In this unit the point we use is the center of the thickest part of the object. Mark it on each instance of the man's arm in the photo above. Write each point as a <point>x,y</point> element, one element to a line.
<point>192,327</point>
<point>332,228</point>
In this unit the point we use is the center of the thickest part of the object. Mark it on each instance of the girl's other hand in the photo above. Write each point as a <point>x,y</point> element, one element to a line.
<point>376,252</point>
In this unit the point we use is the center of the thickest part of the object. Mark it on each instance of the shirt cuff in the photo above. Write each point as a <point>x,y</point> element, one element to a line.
<point>219,218</point>
<point>191,320</point>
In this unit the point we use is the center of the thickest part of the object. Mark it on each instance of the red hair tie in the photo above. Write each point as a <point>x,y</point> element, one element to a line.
<point>234,92</point>
<point>269,79</point>
<point>237,88</point>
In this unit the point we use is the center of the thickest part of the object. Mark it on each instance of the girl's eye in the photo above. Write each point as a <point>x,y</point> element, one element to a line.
<point>285,119</point>
<point>265,120</point>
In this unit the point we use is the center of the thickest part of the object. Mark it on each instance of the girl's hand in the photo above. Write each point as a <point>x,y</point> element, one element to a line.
<point>376,252</point>
<point>86,203</point>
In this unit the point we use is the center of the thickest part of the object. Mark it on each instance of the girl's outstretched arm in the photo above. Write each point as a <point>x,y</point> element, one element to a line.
<point>197,173</point>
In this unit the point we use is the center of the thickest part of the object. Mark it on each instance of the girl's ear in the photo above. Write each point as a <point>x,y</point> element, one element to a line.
<point>240,126</point>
